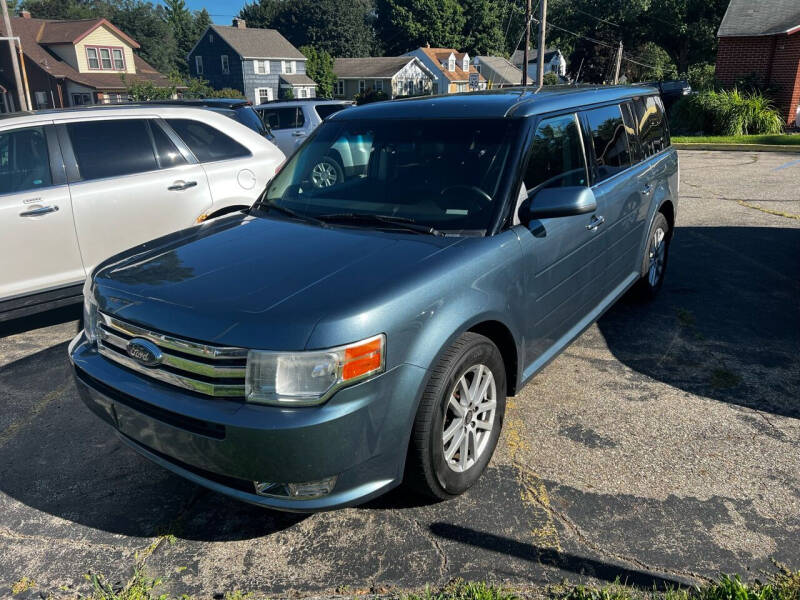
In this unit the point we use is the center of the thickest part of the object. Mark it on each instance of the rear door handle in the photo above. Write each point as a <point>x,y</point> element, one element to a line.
<point>181,185</point>
<point>299,133</point>
<point>595,223</point>
<point>39,211</point>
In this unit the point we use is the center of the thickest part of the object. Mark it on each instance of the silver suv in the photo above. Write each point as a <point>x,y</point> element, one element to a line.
<point>291,121</point>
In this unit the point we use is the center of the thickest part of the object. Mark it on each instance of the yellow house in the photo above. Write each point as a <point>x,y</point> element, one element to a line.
<point>73,63</point>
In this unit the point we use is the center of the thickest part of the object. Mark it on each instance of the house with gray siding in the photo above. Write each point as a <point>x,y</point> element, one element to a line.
<point>261,63</point>
<point>395,76</point>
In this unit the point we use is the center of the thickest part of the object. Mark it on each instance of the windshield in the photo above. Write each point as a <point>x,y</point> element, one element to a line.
<point>444,174</point>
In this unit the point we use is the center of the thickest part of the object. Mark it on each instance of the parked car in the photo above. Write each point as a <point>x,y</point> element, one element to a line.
<point>336,341</point>
<point>77,186</point>
<point>237,109</point>
<point>291,121</point>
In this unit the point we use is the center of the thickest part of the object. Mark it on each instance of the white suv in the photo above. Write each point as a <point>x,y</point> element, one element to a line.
<point>291,121</point>
<point>77,186</point>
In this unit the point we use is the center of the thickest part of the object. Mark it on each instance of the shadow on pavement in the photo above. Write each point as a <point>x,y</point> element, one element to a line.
<point>549,557</point>
<point>726,324</point>
<point>57,457</point>
<point>45,319</point>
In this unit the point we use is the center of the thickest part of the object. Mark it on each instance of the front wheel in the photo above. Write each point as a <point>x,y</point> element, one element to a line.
<point>459,419</point>
<point>326,173</point>
<point>654,262</point>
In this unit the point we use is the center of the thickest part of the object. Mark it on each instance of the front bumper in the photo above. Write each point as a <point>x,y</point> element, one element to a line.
<point>360,435</point>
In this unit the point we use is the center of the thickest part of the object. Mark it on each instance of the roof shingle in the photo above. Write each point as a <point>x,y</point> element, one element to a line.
<point>379,67</point>
<point>440,55</point>
<point>770,17</point>
<point>257,43</point>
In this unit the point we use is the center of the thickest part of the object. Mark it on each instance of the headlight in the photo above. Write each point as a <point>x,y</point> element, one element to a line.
<point>89,312</point>
<point>306,378</point>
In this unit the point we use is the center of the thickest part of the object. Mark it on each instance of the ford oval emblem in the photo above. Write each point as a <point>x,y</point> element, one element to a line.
<point>145,353</point>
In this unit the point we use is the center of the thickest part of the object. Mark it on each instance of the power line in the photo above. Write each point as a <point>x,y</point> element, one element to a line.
<point>583,12</point>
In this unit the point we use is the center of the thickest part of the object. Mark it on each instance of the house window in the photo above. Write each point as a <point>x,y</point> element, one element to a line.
<point>465,64</point>
<point>378,85</point>
<point>338,87</point>
<point>362,85</point>
<point>263,95</point>
<point>105,58</point>
<point>461,87</point>
<point>451,64</point>
<point>198,64</point>
<point>288,67</point>
<point>81,99</point>
<point>210,38</point>
<point>226,67</point>
<point>41,99</point>
<point>261,67</point>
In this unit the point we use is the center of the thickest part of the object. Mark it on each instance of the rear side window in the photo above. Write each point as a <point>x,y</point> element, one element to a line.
<point>112,148</point>
<point>247,116</point>
<point>283,118</point>
<point>326,110</point>
<point>24,160</point>
<point>629,121</point>
<point>206,142</point>
<point>556,158</point>
<point>167,153</point>
<point>649,113</point>
<point>610,142</point>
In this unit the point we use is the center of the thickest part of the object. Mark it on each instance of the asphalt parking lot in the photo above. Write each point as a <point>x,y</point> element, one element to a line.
<point>664,445</point>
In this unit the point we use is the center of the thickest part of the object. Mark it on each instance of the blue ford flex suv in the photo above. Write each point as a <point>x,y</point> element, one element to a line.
<point>336,340</point>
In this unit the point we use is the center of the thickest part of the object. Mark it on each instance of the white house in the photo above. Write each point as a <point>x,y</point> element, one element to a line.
<point>554,62</point>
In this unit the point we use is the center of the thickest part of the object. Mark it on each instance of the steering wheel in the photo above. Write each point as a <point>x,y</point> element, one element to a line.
<point>481,198</point>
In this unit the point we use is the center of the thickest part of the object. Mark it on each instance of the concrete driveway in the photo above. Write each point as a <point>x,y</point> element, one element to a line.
<point>664,446</point>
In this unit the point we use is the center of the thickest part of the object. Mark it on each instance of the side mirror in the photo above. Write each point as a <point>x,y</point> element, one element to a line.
<point>549,203</point>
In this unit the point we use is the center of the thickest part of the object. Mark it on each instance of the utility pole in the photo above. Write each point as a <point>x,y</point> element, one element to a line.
<point>619,63</point>
<point>542,28</point>
<point>23,105</point>
<point>527,42</point>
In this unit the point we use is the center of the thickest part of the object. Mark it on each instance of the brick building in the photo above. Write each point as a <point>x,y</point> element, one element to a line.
<point>762,40</point>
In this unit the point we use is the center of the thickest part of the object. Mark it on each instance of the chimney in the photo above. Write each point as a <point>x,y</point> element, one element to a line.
<point>25,14</point>
<point>239,23</point>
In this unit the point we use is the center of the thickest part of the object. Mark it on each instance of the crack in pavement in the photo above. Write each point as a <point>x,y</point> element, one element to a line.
<point>443,567</point>
<point>12,430</point>
<point>769,211</point>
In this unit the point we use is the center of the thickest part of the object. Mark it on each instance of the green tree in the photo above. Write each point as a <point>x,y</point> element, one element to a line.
<point>483,30</point>
<point>550,79</point>
<point>181,22</point>
<point>407,24</point>
<point>60,9</point>
<point>660,64</point>
<point>139,90</point>
<point>319,67</point>
<point>339,27</point>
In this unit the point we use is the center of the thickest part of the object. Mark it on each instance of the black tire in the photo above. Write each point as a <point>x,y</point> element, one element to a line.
<point>332,166</point>
<point>646,288</point>
<point>427,470</point>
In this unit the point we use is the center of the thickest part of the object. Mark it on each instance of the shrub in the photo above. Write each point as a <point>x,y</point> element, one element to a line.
<point>727,112</point>
<point>370,95</point>
<point>550,79</point>
<point>226,93</point>
<point>702,76</point>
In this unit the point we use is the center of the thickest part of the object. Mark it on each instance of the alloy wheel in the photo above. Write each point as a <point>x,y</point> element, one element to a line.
<point>323,175</point>
<point>658,254</point>
<point>469,418</point>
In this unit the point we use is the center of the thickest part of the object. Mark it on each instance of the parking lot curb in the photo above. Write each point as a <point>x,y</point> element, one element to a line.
<point>740,147</point>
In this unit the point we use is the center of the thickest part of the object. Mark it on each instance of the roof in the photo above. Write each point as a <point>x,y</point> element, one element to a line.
<point>441,55</point>
<point>204,102</point>
<point>298,79</point>
<point>504,72</point>
<point>72,32</point>
<point>508,102</point>
<point>30,32</point>
<point>533,55</point>
<point>251,42</point>
<point>771,17</point>
<point>380,67</point>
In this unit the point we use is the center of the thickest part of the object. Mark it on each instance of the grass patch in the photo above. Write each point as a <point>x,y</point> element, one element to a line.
<point>769,140</point>
<point>465,590</point>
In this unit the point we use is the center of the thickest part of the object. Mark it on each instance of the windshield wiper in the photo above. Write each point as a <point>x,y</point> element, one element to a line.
<point>262,204</point>
<point>398,222</point>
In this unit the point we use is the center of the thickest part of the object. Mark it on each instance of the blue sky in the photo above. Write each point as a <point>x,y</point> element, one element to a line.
<point>221,11</point>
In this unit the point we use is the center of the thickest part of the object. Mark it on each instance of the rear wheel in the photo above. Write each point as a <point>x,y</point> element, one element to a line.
<point>654,263</point>
<point>459,419</point>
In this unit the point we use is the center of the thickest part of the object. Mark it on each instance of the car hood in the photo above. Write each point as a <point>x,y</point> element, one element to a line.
<point>255,282</point>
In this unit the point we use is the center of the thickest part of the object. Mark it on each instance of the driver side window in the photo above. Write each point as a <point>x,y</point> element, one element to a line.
<point>556,157</point>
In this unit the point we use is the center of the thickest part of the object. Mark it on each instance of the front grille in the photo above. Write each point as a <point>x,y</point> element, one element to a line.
<point>201,368</point>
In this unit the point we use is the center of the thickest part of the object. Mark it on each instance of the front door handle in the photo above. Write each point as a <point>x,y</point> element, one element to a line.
<point>647,189</point>
<point>181,185</point>
<point>595,223</point>
<point>39,211</point>
<point>299,133</point>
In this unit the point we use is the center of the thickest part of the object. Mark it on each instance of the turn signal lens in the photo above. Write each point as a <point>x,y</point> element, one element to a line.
<point>363,359</point>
